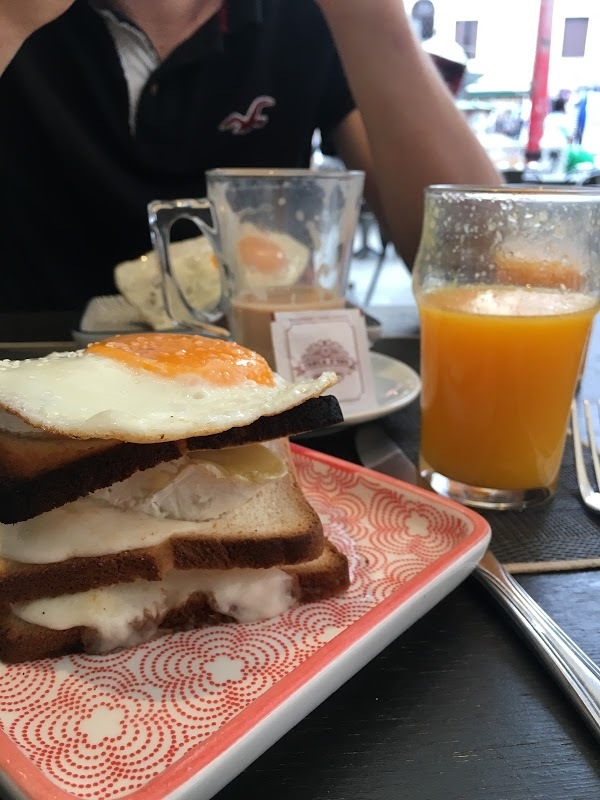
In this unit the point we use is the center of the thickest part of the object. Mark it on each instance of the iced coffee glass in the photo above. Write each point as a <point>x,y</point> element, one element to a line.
<point>283,240</point>
<point>507,281</point>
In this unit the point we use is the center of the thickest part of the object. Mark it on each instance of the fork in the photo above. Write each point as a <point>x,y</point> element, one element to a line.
<point>590,496</point>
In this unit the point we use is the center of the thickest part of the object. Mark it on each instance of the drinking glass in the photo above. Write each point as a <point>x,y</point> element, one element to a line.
<point>507,281</point>
<point>283,239</point>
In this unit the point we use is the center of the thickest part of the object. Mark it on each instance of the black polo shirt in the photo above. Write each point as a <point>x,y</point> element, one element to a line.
<point>75,181</point>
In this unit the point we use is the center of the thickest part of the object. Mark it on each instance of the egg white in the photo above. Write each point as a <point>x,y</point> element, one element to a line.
<point>86,396</point>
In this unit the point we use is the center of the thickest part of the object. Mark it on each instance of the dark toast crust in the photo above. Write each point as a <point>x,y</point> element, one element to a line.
<point>21,641</point>
<point>21,583</point>
<point>315,413</point>
<point>22,498</point>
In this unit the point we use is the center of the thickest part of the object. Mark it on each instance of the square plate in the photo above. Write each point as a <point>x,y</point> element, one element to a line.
<point>181,716</point>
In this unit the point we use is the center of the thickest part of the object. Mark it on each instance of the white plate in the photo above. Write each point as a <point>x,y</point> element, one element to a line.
<point>179,717</point>
<point>396,385</point>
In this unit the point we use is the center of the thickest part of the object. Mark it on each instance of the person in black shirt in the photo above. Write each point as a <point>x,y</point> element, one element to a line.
<point>108,105</point>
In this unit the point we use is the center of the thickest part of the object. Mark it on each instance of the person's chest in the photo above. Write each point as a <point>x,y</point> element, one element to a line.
<point>253,100</point>
<point>243,106</point>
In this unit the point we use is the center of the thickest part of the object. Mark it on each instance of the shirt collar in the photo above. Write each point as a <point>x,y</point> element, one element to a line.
<point>235,14</point>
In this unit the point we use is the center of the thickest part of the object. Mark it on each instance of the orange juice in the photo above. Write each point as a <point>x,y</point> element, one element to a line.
<point>499,366</point>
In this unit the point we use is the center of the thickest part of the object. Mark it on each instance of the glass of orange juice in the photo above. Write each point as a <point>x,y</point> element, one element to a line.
<point>507,281</point>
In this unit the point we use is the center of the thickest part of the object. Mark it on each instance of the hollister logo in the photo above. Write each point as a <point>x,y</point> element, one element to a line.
<point>253,120</point>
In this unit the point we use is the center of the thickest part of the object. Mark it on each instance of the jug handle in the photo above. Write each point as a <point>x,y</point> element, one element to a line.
<point>162,214</point>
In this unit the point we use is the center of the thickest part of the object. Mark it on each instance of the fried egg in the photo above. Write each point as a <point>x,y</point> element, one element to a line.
<point>149,387</point>
<point>270,258</point>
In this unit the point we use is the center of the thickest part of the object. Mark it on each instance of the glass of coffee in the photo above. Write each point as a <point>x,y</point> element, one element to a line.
<point>283,240</point>
<point>507,280</point>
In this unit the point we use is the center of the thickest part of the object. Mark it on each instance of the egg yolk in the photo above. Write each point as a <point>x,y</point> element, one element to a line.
<point>171,354</point>
<point>261,254</point>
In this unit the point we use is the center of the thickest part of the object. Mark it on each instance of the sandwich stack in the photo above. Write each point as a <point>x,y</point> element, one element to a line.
<point>147,487</point>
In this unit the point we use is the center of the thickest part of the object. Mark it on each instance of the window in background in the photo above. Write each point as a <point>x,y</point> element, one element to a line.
<point>574,37</point>
<point>466,35</point>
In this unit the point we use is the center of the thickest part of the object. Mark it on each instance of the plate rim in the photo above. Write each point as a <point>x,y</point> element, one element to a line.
<point>397,404</point>
<point>378,410</point>
<point>18,772</point>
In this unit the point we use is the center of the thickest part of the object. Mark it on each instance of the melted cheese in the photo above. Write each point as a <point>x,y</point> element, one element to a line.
<point>128,614</point>
<point>200,486</point>
<point>147,509</point>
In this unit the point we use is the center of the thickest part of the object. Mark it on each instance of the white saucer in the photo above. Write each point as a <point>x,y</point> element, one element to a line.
<point>396,386</point>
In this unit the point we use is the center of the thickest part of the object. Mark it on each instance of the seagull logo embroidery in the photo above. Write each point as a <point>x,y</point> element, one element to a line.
<point>253,120</point>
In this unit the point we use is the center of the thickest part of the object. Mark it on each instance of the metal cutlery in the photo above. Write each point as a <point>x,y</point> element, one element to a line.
<point>574,671</point>
<point>590,496</point>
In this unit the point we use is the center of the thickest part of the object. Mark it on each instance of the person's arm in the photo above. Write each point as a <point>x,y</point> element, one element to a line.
<point>407,132</point>
<point>20,18</point>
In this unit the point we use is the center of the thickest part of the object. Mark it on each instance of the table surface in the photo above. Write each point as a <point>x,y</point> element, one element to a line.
<point>457,707</point>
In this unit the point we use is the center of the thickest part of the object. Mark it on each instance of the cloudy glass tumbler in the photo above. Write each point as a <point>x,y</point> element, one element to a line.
<point>507,281</point>
<point>283,239</point>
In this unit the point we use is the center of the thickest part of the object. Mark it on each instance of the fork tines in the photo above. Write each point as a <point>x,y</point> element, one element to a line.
<point>591,496</point>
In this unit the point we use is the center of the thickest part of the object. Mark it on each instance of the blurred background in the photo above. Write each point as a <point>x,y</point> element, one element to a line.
<point>531,83</point>
<point>526,74</point>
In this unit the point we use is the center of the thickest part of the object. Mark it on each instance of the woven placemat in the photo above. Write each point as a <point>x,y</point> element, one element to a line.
<point>561,536</point>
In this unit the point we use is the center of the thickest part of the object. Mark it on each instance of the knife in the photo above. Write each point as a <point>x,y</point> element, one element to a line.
<point>574,671</point>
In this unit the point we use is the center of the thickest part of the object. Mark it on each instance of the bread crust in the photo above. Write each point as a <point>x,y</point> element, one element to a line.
<point>21,641</point>
<point>40,473</point>
<point>25,498</point>
<point>276,526</point>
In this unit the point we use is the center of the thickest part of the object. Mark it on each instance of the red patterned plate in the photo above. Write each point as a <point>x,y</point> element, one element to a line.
<point>181,716</point>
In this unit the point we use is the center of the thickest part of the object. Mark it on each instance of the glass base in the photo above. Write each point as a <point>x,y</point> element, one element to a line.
<point>481,496</point>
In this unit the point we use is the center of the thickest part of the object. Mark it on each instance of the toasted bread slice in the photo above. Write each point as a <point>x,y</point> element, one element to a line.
<point>39,471</point>
<point>276,526</point>
<point>20,641</point>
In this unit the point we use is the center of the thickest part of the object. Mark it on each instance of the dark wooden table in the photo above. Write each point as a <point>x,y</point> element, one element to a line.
<point>457,708</point>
